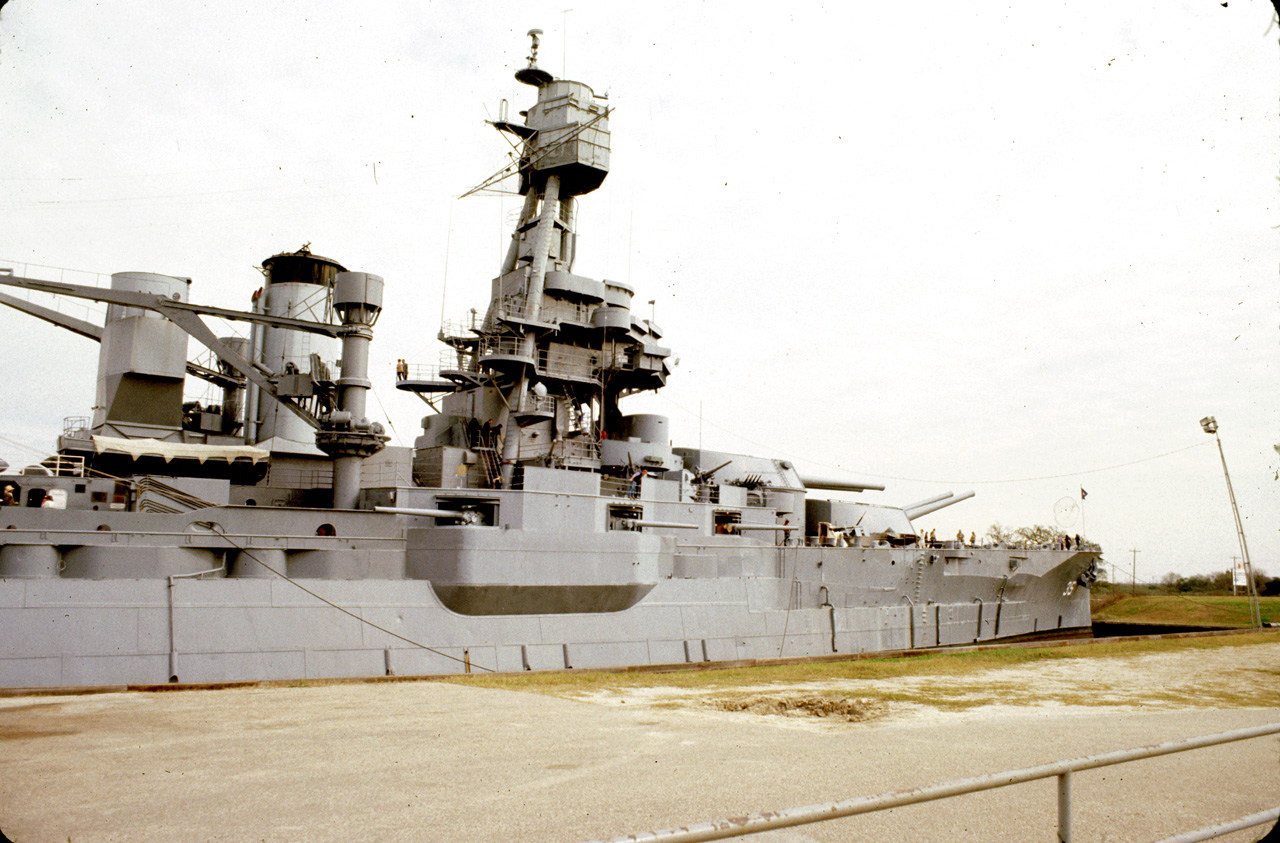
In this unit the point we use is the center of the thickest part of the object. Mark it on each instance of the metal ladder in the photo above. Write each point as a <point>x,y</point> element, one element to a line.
<point>492,464</point>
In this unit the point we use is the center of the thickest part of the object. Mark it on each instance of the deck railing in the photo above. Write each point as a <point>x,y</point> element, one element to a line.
<point>579,448</point>
<point>1062,770</point>
<point>63,465</point>
<point>381,474</point>
<point>299,478</point>
<point>618,487</point>
<point>550,311</point>
<point>569,361</point>
<point>508,346</point>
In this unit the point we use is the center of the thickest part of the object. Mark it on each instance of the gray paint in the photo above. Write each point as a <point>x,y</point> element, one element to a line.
<point>564,555</point>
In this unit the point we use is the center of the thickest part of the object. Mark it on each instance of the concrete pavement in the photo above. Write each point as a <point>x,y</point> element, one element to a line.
<point>436,761</point>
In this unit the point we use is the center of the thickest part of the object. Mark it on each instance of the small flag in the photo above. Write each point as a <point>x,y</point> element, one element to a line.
<point>1083,493</point>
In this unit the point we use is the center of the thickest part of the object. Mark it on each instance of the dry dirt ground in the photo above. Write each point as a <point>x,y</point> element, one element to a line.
<point>423,761</point>
<point>1170,681</point>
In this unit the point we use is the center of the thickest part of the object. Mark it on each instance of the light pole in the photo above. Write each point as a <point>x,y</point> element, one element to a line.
<point>1210,425</point>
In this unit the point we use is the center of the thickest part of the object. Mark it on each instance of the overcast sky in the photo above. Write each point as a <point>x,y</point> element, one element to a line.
<point>940,246</point>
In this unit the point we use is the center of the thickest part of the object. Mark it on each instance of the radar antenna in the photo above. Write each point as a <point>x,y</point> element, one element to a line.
<point>534,75</point>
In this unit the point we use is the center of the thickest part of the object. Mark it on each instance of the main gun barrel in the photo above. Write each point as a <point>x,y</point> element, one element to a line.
<point>934,504</point>
<point>838,484</point>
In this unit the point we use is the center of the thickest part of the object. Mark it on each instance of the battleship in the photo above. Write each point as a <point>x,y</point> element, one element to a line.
<point>534,524</point>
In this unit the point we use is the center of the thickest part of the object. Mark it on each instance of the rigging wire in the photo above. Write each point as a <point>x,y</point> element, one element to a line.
<point>448,243</point>
<point>934,480</point>
<point>214,527</point>
<point>266,167</point>
<point>511,168</point>
<point>1243,610</point>
<point>1047,476</point>
<point>386,415</point>
<point>23,447</point>
<point>217,528</point>
<point>1118,582</point>
<point>1118,578</point>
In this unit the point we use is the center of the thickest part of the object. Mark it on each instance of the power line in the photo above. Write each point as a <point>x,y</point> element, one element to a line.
<point>1047,476</point>
<point>736,435</point>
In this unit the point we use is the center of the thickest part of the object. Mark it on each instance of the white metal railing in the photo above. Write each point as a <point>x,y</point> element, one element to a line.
<point>431,371</point>
<point>381,474</point>
<point>464,328</point>
<point>62,465</point>
<point>75,425</point>
<point>617,487</point>
<point>556,312</point>
<point>448,361</point>
<point>550,311</point>
<point>530,402</point>
<point>705,492</point>
<point>152,494</point>
<point>422,372</point>
<point>1062,770</point>
<point>511,308</point>
<point>77,308</point>
<point>505,345</point>
<point>200,538</point>
<point>579,448</point>
<point>567,360</point>
<point>1212,831</point>
<point>299,478</point>
<point>461,360</point>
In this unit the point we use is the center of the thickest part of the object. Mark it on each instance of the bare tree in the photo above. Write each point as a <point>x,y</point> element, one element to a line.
<point>999,534</point>
<point>1038,534</point>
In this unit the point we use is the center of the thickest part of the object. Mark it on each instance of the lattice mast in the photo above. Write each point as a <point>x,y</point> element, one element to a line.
<point>565,154</point>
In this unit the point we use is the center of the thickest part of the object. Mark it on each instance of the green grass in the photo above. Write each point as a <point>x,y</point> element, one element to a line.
<point>1183,610</point>
<point>941,664</point>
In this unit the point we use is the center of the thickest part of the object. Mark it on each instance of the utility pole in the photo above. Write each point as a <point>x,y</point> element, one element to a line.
<point>1133,584</point>
<point>1210,425</point>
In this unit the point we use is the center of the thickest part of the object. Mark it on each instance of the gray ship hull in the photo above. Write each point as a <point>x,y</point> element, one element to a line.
<point>120,607</point>
<point>534,524</point>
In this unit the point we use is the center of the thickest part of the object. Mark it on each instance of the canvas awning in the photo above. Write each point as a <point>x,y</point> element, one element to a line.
<point>168,451</point>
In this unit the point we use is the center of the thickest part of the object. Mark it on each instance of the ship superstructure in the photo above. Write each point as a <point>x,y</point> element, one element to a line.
<point>533,525</point>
